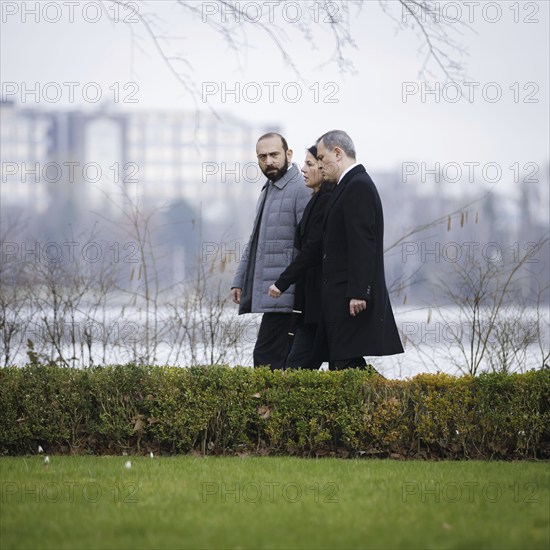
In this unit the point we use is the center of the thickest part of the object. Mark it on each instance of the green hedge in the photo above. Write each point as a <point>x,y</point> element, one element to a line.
<point>221,410</point>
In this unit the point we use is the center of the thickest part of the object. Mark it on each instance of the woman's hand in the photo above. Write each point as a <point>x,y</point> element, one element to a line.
<point>274,292</point>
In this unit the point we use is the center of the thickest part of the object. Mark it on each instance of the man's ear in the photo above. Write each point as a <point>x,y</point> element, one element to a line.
<point>338,152</point>
<point>289,154</point>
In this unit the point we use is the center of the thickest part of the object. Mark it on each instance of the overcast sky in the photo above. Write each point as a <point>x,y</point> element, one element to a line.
<point>507,52</point>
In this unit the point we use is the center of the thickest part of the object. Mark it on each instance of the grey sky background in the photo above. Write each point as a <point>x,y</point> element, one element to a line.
<point>369,103</point>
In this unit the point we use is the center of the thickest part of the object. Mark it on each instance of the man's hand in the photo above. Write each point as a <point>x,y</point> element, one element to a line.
<point>236,295</point>
<point>274,292</point>
<point>356,306</point>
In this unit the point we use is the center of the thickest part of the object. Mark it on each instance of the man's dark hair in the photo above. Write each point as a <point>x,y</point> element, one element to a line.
<point>275,134</point>
<point>338,138</point>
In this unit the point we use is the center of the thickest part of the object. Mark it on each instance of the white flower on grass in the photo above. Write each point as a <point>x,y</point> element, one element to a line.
<point>151,455</point>
<point>127,464</point>
<point>40,449</point>
<point>46,460</point>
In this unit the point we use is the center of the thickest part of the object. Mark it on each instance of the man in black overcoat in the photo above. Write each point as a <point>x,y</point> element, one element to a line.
<point>357,317</point>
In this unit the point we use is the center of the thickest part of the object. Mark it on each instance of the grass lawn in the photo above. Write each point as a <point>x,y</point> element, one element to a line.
<point>195,502</point>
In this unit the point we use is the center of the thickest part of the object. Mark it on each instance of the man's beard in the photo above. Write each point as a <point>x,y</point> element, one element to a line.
<point>275,176</point>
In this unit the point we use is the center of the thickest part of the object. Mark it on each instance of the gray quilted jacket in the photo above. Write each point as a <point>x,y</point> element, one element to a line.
<point>257,271</point>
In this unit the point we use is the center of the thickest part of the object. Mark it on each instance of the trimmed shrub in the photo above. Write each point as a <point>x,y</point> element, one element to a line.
<point>221,410</point>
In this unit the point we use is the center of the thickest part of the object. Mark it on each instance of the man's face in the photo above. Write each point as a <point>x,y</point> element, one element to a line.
<point>328,162</point>
<point>272,159</point>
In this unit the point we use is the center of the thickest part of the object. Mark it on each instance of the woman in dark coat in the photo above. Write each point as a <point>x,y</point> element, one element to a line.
<point>307,302</point>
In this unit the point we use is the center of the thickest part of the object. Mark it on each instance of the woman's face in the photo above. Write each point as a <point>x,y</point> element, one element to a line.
<point>312,173</point>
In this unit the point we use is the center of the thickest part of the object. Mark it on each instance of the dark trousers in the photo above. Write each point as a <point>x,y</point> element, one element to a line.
<point>273,341</point>
<point>300,356</point>
<point>353,363</point>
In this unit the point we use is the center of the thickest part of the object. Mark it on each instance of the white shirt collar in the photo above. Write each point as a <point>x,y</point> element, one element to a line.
<point>347,170</point>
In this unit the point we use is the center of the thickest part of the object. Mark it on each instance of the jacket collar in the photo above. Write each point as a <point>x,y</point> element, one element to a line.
<point>341,186</point>
<point>355,170</point>
<point>348,169</point>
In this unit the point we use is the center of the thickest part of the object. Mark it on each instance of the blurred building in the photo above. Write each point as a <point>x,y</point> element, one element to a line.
<point>75,172</point>
<point>161,156</point>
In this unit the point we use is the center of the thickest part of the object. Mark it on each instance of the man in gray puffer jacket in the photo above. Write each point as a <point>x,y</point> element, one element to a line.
<point>270,250</point>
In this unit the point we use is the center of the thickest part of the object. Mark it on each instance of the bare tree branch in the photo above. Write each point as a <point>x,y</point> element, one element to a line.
<point>438,46</point>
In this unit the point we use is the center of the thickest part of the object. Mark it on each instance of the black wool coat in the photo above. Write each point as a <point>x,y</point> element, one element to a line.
<point>305,269</point>
<point>353,267</point>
